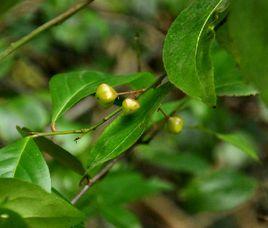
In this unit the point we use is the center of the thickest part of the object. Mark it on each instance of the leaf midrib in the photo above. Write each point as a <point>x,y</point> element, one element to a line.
<point>198,42</point>
<point>21,154</point>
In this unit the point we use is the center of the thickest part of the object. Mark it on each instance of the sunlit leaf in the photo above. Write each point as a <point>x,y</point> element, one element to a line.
<point>23,160</point>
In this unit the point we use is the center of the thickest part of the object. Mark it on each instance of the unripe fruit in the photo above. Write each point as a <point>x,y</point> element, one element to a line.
<point>130,106</point>
<point>175,124</point>
<point>106,94</point>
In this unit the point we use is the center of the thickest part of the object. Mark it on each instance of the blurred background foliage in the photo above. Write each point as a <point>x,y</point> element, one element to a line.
<point>189,180</point>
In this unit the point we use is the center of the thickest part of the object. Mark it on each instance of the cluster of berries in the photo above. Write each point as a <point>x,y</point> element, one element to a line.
<point>107,95</point>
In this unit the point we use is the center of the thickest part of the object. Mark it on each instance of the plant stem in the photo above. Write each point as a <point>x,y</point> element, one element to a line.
<point>80,131</point>
<point>97,177</point>
<point>55,21</point>
<point>132,92</point>
<point>164,113</point>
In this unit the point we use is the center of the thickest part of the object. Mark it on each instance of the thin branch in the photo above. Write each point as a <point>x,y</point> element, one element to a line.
<point>80,131</point>
<point>92,181</point>
<point>164,113</point>
<point>55,21</point>
<point>131,92</point>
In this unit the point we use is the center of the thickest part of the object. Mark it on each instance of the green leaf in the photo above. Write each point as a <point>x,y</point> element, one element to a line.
<point>125,130</point>
<point>186,50</point>
<point>228,78</point>
<point>11,219</point>
<point>37,207</point>
<point>247,31</point>
<point>218,191</point>
<point>58,153</point>
<point>23,160</point>
<point>241,141</point>
<point>69,88</point>
<point>120,217</point>
<point>6,5</point>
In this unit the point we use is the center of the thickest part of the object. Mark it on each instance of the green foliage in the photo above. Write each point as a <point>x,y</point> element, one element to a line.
<point>67,89</point>
<point>186,50</point>
<point>123,132</point>
<point>24,161</point>
<point>37,207</point>
<point>218,191</point>
<point>245,35</point>
<point>42,171</point>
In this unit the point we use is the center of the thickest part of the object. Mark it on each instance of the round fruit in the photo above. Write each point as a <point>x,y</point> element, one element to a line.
<point>106,94</point>
<point>175,124</point>
<point>130,106</point>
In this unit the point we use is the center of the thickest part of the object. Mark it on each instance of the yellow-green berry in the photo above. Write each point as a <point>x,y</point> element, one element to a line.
<point>106,94</point>
<point>175,124</point>
<point>130,106</point>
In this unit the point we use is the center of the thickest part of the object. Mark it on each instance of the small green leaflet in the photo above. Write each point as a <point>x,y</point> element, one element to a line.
<point>37,207</point>
<point>69,88</point>
<point>186,52</point>
<point>124,131</point>
<point>23,160</point>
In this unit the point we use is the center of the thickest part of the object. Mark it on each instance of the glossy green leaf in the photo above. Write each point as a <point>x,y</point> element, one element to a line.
<point>228,78</point>
<point>125,130</point>
<point>23,160</point>
<point>37,207</point>
<point>218,191</point>
<point>241,141</point>
<point>186,53</point>
<point>247,30</point>
<point>58,153</point>
<point>69,88</point>
<point>10,219</point>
